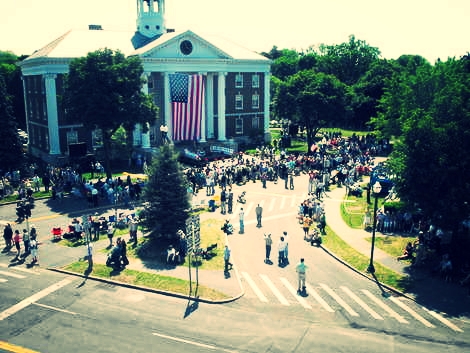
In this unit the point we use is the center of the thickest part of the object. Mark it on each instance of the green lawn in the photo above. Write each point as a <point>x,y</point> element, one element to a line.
<point>360,262</point>
<point>146,279</point>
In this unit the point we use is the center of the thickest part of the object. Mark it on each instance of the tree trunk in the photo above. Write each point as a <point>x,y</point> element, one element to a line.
<point>106,150</point>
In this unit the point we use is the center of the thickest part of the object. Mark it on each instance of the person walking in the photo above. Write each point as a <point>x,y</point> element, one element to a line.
<point>227,259</point>
<point>259,215</point>
<point>241,217</point>
<point>8,235</point>
<point>268,242</point>
<point>17,241</point>
<point>301,269</point>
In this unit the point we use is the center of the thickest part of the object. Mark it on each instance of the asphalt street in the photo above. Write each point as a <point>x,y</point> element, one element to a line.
<point>269,315</point>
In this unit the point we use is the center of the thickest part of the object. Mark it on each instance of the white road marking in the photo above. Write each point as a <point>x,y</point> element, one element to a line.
<point>293,201</point>
<point>443,320</point>
<point>5,273</point>
<point>319,299</point>
<point>182,340</point>
<point>55,308</point>
<point>292,290</point>
<point>275,291</point>
<point>412,312</point>
<point>35,297</point>
<point>361,303</point>
<point>385,307</point>
<point>283,202</point>
<point>3,280</point>
<point>271,205</point>
<point>339,300</point>
<point>21,269</point>
<point>253,286</point>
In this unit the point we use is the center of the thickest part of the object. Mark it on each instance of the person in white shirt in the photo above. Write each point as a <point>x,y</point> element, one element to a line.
<point>241,216</point>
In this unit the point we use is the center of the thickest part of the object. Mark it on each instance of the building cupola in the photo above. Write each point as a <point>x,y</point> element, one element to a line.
<point>151,17</point>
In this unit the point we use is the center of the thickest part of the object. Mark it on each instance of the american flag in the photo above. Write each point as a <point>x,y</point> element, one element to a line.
<point>187,96</point>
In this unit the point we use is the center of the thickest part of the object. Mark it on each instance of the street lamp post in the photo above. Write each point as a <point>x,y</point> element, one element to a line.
<point>376,188</point>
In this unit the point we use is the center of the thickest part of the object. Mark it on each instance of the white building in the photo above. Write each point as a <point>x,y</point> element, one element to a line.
<point>235,83</point>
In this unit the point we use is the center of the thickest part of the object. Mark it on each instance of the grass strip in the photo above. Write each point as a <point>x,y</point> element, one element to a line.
<point>146,279</point>
<point>360,262</point>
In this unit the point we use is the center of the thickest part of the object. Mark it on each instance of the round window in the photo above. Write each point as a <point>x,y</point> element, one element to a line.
<point>186,47</point>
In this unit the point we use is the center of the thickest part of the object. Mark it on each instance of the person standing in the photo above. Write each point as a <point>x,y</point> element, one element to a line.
<point>26,242</point>
<point>223,201</point>
<point>8,235</point>
<point>230,201</point>
<point>286,248</point>
<point>34,249</point>
<point>281,248</point>
<point>227,259</point>
<point>90,255</point>
<point>133,231</point>
<point>291,181</point>
<point>269,242</point>
<point>301,269</point>
<point>259,215</point>
<point>241,216</point>
<point>124,259</point>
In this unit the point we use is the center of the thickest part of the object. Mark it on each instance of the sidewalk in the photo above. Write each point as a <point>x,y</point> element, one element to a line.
<point>356,238</point>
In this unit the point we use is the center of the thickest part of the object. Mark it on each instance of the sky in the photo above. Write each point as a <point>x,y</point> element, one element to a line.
<point>430,28</point>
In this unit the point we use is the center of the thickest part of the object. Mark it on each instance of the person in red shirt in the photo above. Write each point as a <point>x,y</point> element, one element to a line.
<point>17,241</point>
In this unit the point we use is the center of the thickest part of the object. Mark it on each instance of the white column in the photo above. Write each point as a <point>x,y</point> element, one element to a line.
<point>267,100</point>
<point>210,105</point>
<point>52,117</point>
<point>26,108</point>
<point>221,106</point>
<point>167,103</point>
<point>145,136</point>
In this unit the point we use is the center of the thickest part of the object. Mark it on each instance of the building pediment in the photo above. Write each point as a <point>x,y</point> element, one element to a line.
<point>188,45</point>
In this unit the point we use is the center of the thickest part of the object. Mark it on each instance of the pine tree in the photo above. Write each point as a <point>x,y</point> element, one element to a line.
<point>167,197</point>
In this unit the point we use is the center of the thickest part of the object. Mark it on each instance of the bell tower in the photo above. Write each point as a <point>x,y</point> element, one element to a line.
<point>151,17</point>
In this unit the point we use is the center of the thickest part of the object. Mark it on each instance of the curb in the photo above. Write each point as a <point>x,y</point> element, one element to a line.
<point>148,289</point>
<point>390,288</point>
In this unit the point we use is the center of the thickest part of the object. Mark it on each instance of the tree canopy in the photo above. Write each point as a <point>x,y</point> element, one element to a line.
<point>103,91</point>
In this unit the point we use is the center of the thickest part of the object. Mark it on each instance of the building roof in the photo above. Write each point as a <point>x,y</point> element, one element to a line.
<point>79,42</point>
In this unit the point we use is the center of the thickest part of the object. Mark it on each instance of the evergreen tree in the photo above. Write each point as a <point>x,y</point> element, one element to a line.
<point>11,149</point>
<point>167,196</point>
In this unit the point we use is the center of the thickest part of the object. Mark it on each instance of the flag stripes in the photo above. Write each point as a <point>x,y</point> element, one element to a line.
<point>187,106</point>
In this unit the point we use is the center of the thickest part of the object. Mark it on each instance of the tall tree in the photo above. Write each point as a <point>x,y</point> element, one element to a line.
<point>11,149</point>
<point>167,196</point>
<point>14,86</point>
<point>348,61</point>
<point>103,91</point>
<point>313,100</point>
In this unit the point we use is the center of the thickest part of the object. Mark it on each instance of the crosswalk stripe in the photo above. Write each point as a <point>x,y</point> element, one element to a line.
<point>294,293</point>
<point>271,205</point>
<point>293,201</point>
<point>3,280</point>
<point>442,319</point>
<point>275,291</point>
<point>11,274</point>
<point>248,209</point>
<point>412,312</point>
<point>20,269</point>
<point>283,202</point>
<point>361,303</point>
<point>319,299</point>
<point>253,286</point>
<point>385,307</point>
<point>339,300</point>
